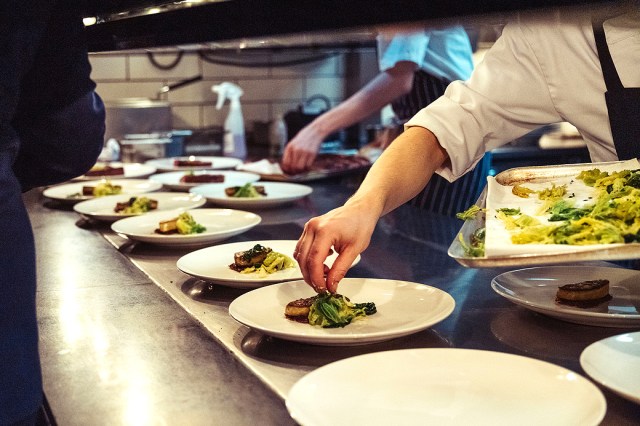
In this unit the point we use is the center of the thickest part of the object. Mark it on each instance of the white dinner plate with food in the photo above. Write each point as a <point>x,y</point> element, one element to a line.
<point>536,288</point>
<point>220,224</point>
<point>179,181</point>
<point>444,386</point>
<point>402,307</point>
<point>212,264</point>
<point>614,362</point>
<point>193,162</point>
<point>277,193</point>
<point>117,170</point>
<point>73,192</point>
<point>104,208</point>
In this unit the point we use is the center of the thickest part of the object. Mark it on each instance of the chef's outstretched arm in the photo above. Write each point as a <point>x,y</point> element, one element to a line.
<point>398,175</point>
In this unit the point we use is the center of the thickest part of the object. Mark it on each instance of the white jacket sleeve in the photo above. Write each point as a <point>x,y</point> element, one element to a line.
<point>506,97</point>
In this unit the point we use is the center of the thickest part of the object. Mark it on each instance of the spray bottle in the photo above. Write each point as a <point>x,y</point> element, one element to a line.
<point>234,138</point>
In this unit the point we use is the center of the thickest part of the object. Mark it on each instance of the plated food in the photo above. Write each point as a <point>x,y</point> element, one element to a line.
<point>327,310</point>
<point>218,224</point>
<point>275,194</point>
<point>193,163</point>
<point>183,224</point>
<point>106,208</point>
<point>212,264</point>
<point>185,180</point>
<point>537,289</point>
<point>261,260</point>
<point>445,386</point>
<point>71,193</point>
<point>402,307</point>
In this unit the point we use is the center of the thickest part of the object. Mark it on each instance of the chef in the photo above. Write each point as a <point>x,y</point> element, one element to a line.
<point>564,65</point>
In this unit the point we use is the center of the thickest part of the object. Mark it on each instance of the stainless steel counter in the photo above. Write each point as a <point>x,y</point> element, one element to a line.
<point>126,338</point>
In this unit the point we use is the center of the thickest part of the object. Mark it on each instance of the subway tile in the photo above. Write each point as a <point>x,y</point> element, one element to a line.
<point>111,91</point>
<point>187,117</point>
<point>227,72</point>
<point>270,90</point>
<point>212,117</point>
<point>141,67</point>
<point>324,67</point>
<point>198,92</point>
<point>108,67</point>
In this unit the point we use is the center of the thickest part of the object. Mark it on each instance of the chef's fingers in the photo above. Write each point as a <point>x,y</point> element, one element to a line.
<point>339,268</point>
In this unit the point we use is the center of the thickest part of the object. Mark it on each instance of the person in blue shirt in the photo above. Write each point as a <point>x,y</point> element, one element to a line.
<point>415,69</point>
<point>51,130</point>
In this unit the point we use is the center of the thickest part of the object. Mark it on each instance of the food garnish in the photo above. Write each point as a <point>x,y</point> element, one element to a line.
<point>246,191</point>
<point>136,205</point>
<point>183,224</point>
<point>261,260</point>
<point>328,310</point>
<point>99,190</point>
<point>470,213</point>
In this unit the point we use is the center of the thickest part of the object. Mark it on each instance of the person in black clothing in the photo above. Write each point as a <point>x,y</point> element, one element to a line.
<point>51,130</point>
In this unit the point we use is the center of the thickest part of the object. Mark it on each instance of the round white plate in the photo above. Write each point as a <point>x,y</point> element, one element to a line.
<point>614,362</point>
<point>212,264</point>
<point>535,289</point>
<point>278,193</point>
<point>168,164</point>
<point>220,223</point>
<point>102,208</point>
<point>65,191</point>
<point>131,171</point>
<point>403,308</point>
<point>171,180</point>
<point>443,386</point>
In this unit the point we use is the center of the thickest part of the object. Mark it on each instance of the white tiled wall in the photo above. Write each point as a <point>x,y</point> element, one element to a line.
<point>268,90</point>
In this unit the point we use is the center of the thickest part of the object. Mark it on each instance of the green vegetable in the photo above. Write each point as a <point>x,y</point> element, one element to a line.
<point>138,205</point>
<point>335,310</point>
<point>247,191</point>
<point>106,188</point>
<point>470,213</point>
<point>509,212</point>
<point>475,247</point>
<point>186,224</point>
<point>522,191</point>
<point>274,262</point>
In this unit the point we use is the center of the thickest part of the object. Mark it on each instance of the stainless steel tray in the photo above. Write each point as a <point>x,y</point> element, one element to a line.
<point>537,174</point>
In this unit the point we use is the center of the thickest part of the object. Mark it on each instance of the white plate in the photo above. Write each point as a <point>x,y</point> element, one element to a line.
<point>167,164</point>
<point>131,170</point>
<point>403,308</point>
<point>220,223</point>
<point>440,386</point>
<point>212,264</point>
<point>129,187</point>
<point>535,288</point>
<point>102,208</point>
<point>171,180</point>
<point>278,193</point>
<point>614,362</point>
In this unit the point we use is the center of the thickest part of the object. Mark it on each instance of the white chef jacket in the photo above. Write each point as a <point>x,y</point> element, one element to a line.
<point>543,69</point>
<point>443,52</point>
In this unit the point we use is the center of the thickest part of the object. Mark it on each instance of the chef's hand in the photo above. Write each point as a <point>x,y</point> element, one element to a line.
<point>348,230</point>
<point>302,150</point>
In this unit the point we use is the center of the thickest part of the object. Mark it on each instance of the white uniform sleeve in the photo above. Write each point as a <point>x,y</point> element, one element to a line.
<point>506,97</point>
<point>410,47</point>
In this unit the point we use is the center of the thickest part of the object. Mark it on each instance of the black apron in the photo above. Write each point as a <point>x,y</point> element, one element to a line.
<point>440,195</point>
<point>623,104</point>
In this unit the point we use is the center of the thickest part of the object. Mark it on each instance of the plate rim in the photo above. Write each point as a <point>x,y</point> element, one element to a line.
<point>184,240</point>
<point>107,217</point>
<point>568,313</point>
<point>293,406</point>
<point>244,283</point>
<point>305,190</point>
<point>348,339</point>
<point>609,384</point>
